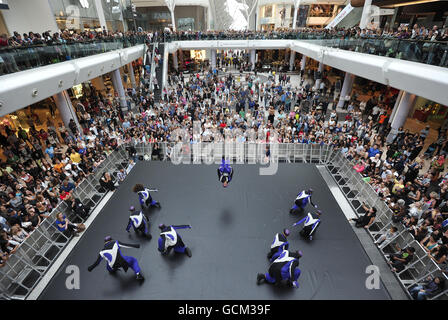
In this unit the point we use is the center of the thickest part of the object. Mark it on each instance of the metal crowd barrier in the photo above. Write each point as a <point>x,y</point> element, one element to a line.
<point>237,152</point>
<point>357,191</point>
<point>26,267</point>
<point>35,255</point>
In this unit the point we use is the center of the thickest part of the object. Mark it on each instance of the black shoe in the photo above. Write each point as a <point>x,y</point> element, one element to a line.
<point>158,205</point>
<point>113,271</point>
<point>188,252</point>
<point>291,211</point>
<point>140,277</point>
<point>149,236</point>
<point>260,278</point>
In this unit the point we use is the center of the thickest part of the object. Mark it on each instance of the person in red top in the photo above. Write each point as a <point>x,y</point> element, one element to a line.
<point>43,135</point>
<point>3,40</point>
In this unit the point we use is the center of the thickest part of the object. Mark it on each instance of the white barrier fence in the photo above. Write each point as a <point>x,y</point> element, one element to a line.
<point>235,152</point>
<point>26,267</point>
<point>357,192</point>
<point>35,255</point>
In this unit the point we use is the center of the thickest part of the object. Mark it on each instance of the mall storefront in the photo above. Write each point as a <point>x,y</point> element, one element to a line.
<point>430,112</point>
<point>40,113</point>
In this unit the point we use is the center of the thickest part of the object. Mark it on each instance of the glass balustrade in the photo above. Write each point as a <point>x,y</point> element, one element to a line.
<point>15,59</point>
<point>429,52</point>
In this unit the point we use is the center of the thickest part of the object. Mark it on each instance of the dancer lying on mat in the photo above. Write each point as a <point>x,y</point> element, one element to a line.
<point>284,267</point>
<point>312,221</point>
<point>280,243</point>
<point>303,198</point>
<point>225,173</point>
<point>144,196</point>
<point>169,239</point>
<point>139,222</point>
<point>115,260</point>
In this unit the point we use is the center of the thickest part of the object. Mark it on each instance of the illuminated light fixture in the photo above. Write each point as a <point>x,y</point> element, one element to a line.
<point>84,3</point>
<point>409,3</point>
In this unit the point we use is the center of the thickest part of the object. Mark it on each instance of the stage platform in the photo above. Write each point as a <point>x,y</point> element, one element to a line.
<point>232,230</point>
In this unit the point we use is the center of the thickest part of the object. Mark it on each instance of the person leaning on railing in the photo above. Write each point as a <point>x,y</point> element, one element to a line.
<point>399,260</point>
<point>367,219</point>
<point>65,226</point>
<point>428,288</point>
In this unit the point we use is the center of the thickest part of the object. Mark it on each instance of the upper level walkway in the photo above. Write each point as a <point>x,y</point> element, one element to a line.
<point>427,52</point>
<point>424,80</point>
<point>32,74</point>
<point>21,89</point>
<point>16,59</point>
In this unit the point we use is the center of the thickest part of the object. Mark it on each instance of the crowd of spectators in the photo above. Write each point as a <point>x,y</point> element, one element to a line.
<point>72,36</point>
<point>31,50</point>
<point>44,167</point>
<point>59,43</point>
<point>393,163</point>
<point>403,32</point>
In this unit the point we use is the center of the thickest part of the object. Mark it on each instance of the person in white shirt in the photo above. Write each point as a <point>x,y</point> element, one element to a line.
<point>375,112</point>
<point>385,237</point>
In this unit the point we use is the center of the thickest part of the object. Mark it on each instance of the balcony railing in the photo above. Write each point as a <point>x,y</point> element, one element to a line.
<point>15,59</point>
<point>427,52</point>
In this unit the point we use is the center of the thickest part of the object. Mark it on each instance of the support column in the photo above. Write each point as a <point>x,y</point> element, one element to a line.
<point>405,103</point>
<point>294,20</point>
<point>292,59</point>
<point>175,62</point>
<point>253,55</point>
<point>100,12</point>
<point>118,87</point>
<point>213,58</point>
<point>65,107</point>
<point>394,110</point>
<point>346,88</point>
<point>173,21</point>
<point>366,14</point>
<point>171,4</point>
<point>318,81</point>
<point>165,68</point>
<point>132,75</point>
<point>303,63</point>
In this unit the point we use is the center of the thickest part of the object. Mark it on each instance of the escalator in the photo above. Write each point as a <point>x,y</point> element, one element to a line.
<point>347,18</point>
<point>159,74</point>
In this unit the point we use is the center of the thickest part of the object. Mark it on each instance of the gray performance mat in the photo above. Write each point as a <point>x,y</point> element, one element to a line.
<point>232,230</point>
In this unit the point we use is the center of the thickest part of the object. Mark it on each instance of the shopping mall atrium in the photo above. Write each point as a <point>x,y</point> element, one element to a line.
<point>246,135</point>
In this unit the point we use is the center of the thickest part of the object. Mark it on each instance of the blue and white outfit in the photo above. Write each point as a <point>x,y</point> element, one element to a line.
<point>225,172</point>
<point>312,221</point>
<point>284,267</point>
<point>170,239</point>
<point>302,199</point>
<point>279,244</point>
<point>140,223</point>
<point>115,259</point>
<point>146,200</point>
